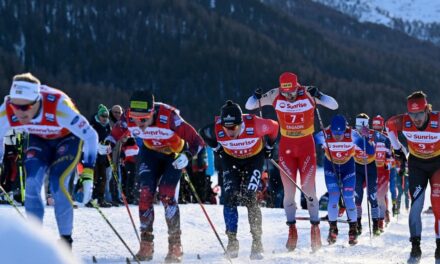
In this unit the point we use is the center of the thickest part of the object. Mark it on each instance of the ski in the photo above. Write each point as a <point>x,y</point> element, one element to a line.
<point>127,260</point>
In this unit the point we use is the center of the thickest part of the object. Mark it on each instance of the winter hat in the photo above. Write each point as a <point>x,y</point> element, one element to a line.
<point>378,123</point>
<point>143,102</point>
<point>288,82</point>
<point>102,110</point>
<point>25,90</point>
<point>417,103</point>
<point>231,114</point>
<point>338,125</point>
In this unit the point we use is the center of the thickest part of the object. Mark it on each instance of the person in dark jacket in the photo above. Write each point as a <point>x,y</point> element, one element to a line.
<point>100,122</point>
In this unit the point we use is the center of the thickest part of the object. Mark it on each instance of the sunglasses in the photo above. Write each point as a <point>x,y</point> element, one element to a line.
<point>104,116</point>
<point>418,115</point>
<point>24,107</point>
<point>139,119</point>
<point>232,128</point>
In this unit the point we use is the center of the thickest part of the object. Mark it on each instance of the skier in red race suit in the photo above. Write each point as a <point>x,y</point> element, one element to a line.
<point>162,156</point>
<point>295,105</point>
<point>420,126</point>
<point>383,166</point>
<point>242,141</point>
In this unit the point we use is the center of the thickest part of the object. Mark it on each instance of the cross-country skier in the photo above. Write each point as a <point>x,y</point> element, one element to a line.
<point>295,105</point>
<point>383,167</point>
<point>161,158</point>
<point>420,126</point>
<point>339,141</point>
<point>366,175</point>
<point>242,141</point>
<point>58,135</point>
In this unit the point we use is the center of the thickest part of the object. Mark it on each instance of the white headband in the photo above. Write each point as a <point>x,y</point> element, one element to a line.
<point>360,122</point>
<point>24,90</point>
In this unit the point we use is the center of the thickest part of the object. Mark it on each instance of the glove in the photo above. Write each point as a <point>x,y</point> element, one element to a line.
<point>180,162</point>
<point>314,91</point>
<point>365,131</point>
<point>398,153</point>
<point>104,149</point>
<point>258,93</point>
<point>219,150</point>
<point>268,151</point>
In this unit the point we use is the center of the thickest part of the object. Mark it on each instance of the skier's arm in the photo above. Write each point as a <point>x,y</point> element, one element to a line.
<point>266,99</point>
<point>208,134</point>
<point>4,127</point>
<point>322,99</point>
<point>393,126</point>
<point>359,141</point>
<point>70,118</point>
<point>267,128</point>
<point>187,133</point>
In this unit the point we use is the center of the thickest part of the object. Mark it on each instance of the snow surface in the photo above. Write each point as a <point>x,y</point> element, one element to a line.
<point>93,237</point>
<point>381,11</point>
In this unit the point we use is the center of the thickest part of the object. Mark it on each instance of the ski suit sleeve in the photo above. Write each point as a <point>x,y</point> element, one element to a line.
<point>327,101</point>
<point>208,134</point>
<point>267,128</point>
<point>187,133</point>
<point>70,118</point>
<point>359,141</point>
<point>4,127</point>
<point>393,126</point>
<point>266,99</point>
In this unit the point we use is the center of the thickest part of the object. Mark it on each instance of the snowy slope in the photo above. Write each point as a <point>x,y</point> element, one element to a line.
<point>418,18</point>
<point>94,238</point>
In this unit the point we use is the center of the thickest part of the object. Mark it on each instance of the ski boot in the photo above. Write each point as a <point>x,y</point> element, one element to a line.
<point>233,245</point>
<point>437,251</point>
<point>359,226</point>
<point>387,218</point>
<point>395,209</point>
<point>352,234</point>
<point>376,230</point>
<point>292,239</point>
<point>381,225</point>
<point>332,232</point>
<point>315,237</point>
<point>416,252</point>
<point>175,252</point>
<point>67,240</point>
<point>257,250</point>
<point>146,248</point>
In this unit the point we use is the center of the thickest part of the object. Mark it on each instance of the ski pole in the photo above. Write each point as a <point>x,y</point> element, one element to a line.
<point>10,201</point>
<point>366,181</point>
<point>321,124</point>
<point>124,198</point>
<point>20,165</point>
<point>95,205</point>
<point>188,180</point>
<point>290,178</point>
<point>260,109</point>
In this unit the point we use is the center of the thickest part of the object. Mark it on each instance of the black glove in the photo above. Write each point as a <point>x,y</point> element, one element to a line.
<point>219,150</point>
<point>268,151</point>
<point>202,158</point>
<point>314,91</point>
<point>398,153</point>
<point>130,142</point>
<point>258,93</point>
